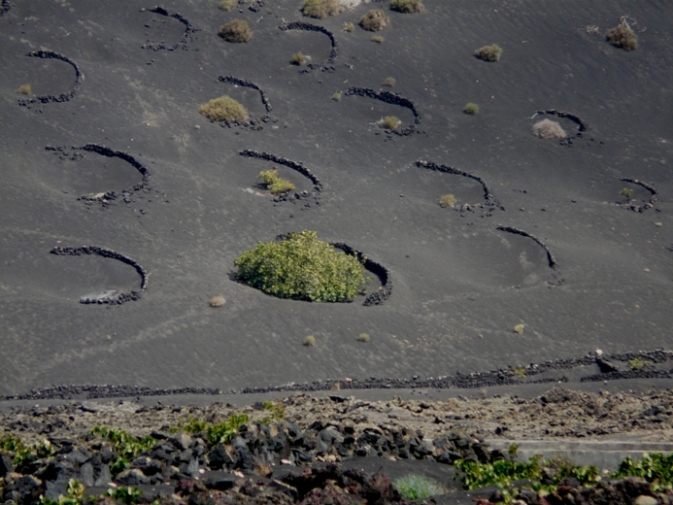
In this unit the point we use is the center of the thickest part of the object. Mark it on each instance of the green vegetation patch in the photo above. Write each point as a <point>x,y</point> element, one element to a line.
<point>375,20</point>
<point>407,6</point>
<point>489,53</point>
<point>622,36</point>
<point>302,267</point>
<point>321,9</point>
<point>227,5</point>
<point>471,108</point>
<point>274,183</point>
<point>237,31</point>
<point>417,487</point>
<point>126,446</point>
<point>448,200</point>
<point>215,433</point>
<point>225,109</point>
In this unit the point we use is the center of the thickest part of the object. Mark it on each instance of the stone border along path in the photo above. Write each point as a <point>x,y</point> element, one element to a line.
<point>228,79</point>
<point>550,257</point>
<point>63,97</point>
<point>490,202</point>
<point>296,166</point>
<point>329,63</point>
<point>187,37</point>
<point>379,296</point>
<point>105,198</point>
<point>475,380</point>
<point>640,208</point>
<point>106,299</point>
<point>393,99</point>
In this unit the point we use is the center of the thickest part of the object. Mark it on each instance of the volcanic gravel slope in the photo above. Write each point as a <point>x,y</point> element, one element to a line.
<point>134,75</point>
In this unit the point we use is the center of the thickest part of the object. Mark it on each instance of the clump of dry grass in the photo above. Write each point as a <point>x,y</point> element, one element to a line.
<point>337,96</point>
<point>377,38</point>
<point>309,341</point>
<point>471,108</point>
<point>25,89</point>
<point>548,129</point>
<point>217,301</point>
<point>349,27</point>
<point>489,53</point>
<point>389,82</point>
<point>299,59</point>
<point>407,6</point>
<point>227,5</point>
<point>375,20</point>
<point>320,9</point>
<point>622,36</point>
<point>224,109</point>
<point>390,123</point>
<point>363,337</point>
<point>447,200</point>
<point>237,31</point>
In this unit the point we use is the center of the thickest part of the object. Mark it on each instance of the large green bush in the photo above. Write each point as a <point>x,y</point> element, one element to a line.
<point>302,267</point>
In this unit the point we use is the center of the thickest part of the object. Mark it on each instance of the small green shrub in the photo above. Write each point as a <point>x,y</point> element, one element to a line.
<point>237,31</point>
<point>227,5</point>
<point>471,108</point>
<point>25,89</point>
<point>417,487</point>
<point>489,53</point>
<point>639,363</point>
<point>407,6</point>
<point>337,96</point>
<point>299,59</point>
<point>349,27</point>
<point>374,21</point>
<point>390,123</point>
<point>626,193</point>
<point>309,341</point>
<point>276,411</point>
<point>274,183</point>
<point>518,328</point>
<point>320,9</point>
<point>224,109</point>
<point>363,337</point>
<point>447,200</point>
<point>215,433</point>
<point>520,372</point>
<point>656,468</point>
<point>125,445</point>
<point>622,36</point>
<point>389,82</point>
<point>302,267</point>
<point>377,38</point>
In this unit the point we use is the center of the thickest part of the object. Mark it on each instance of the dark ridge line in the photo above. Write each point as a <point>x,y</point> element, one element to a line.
<point>187,36</point>
<point>393,99</point>
<point>247,84</point>
<point>64,392</point>
<point>110,153</point>
<point>379,296</point>
<point>107,253</point>
<point>550,257</point>
<point>503,376</point>
<point>489,199</point>
<point>294,165</point>
<point>640,208</point>
<point>5,7</point>
<point>63,97</point>
<point>582,126</point>
<point>308,27</point>
<point>471,381</point>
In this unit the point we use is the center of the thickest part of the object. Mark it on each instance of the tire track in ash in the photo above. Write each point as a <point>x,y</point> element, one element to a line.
<point>328,65</point>
<point>306,197</point>
<point>108,297</point>
<point>106,198</point>
<point>63,97</point>
<point>490,203</point>
<point>187,37</point>
<point>392,99</point>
